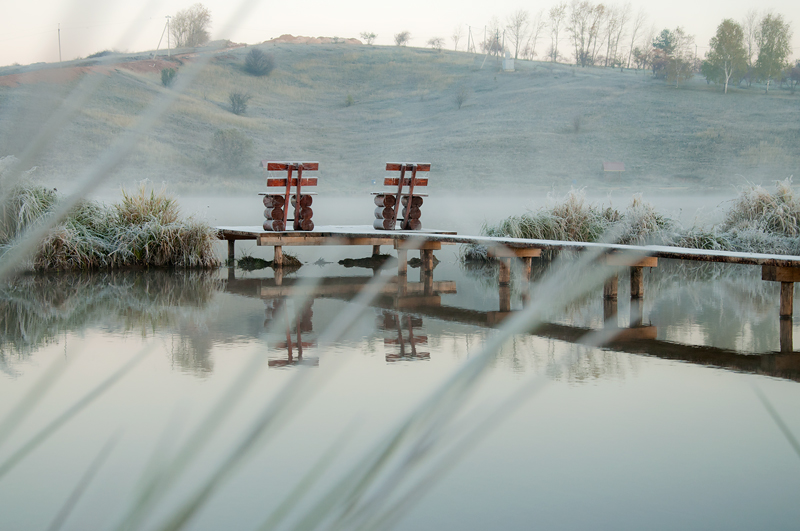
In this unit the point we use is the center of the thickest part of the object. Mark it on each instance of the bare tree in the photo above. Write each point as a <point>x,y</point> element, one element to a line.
<point>752,27</point>
<point>598,15</point>
<point>492,43</point>
<point>190,26</point>
<point>402,38</point>
<point>537,27</point>
<point>458,34</point>
<point>436,43</point>
<point>636,28</point>
<point>517,25</point>
<point>581,25</point>
<point>612,20</point>
<point>556,15</point>
<point>369,37</point>
<point>623,16</point>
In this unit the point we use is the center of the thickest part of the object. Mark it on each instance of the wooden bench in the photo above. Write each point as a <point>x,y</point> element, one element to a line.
<point>277,202</point>
<point>387,211</point>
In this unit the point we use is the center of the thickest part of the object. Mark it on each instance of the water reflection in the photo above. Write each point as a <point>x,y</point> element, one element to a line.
<point>36,309</point>
<point>688,314</point>
<point>403,333</point>
<point>294,344</point>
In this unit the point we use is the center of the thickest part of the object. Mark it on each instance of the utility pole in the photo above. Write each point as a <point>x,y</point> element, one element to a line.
<point>59,42</point>
<point>168,46</point>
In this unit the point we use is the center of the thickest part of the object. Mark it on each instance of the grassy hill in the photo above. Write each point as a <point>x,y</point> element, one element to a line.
<point>540,127</point>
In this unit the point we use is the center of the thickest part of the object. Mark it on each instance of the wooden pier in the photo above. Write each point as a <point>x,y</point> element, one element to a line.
<point>774,268</point>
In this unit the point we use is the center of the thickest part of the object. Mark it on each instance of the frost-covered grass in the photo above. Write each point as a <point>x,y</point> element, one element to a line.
<point>143,230</point>
<point>757,221</point>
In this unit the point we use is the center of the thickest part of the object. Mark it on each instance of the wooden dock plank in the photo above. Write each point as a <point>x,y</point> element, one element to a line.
<point>345,233</point>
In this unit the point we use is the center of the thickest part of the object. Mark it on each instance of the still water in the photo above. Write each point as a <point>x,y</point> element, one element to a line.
<point>666,431</point>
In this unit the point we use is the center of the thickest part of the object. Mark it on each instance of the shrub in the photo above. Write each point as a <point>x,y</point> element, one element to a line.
<point>168,76</point>
<point>436,43</point>
<point>757,209</point>
<point>349,100</point>
<point>232,148</point>
<point>144,230</point>
<point>402,38</point>
<point>239,102</point>
<point>138,208</point>
<point>259,63</point>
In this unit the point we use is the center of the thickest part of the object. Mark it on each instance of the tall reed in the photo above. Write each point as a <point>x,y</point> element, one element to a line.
<point>757,221</point>
<point>144,230</point>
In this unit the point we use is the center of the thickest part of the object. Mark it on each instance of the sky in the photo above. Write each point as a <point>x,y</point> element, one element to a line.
<point>29,30</point>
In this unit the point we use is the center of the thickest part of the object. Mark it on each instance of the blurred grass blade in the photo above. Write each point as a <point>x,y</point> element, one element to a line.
<point>787,433</point>
<point>290,399</point>
<point>83,484</point>
<point>159,481</point>
<point>317,470</point>
<point>73,410</point>
<point>294,395</point>
<point>31,398</point>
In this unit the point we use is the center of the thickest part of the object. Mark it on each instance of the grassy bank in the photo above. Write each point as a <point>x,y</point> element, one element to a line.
<point>757,221</point>
<point>355,107</point>
<point>143,230</point>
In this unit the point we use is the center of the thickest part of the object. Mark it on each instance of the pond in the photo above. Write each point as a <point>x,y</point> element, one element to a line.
<point>251,394</point>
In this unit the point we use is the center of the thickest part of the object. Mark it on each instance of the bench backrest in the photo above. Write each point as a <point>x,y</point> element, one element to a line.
<point>405,168</point>
<point>290,167</point>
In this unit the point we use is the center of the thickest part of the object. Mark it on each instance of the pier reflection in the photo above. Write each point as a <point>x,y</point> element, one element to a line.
<point>38,310</point>
<point>405,304</point>
<point>398,299</point>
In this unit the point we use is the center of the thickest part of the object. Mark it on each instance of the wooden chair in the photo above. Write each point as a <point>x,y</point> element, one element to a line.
<point>277,203</point>
<point>388,211</point>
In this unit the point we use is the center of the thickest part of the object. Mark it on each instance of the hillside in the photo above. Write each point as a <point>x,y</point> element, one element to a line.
<point>540,127</point>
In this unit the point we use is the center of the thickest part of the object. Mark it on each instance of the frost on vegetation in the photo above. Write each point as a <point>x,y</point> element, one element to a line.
<point>144,230</point>
<point>757,221</point>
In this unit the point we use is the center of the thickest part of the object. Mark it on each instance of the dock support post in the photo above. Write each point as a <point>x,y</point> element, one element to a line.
<point>277,259</point>
<point>231,248</point>
<point>527,263</point>
<point>787,276</point>
<point>787,341</point>
<point>427,282</point>
<point>610,288</point>
<point>610,319</point>
<point>505,298</point>
<point>427,259</point>
<point>376,250</point>
<point>402,262</point>
<point>637,282</point>
<point>504,275</point>
<point>504,278</point>
<point>637,312</point>
<point>787,299</point>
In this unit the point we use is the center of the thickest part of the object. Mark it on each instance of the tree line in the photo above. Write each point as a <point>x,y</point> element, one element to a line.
<point>584,33</point>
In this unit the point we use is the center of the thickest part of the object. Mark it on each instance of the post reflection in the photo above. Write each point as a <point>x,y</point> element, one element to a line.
<point>403,334</point>
<point>295,323</point>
